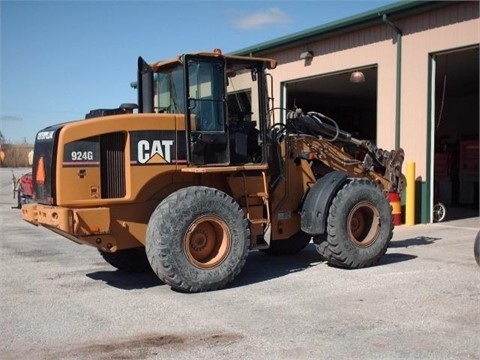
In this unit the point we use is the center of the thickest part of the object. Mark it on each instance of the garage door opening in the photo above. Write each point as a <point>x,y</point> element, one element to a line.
<point>456,130</point>
<point>353,105</point>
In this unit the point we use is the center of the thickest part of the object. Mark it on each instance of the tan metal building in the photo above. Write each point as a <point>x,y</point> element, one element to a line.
<point>419,90</point>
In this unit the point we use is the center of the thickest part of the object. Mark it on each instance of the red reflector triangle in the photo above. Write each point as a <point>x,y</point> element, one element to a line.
<point>40,174</point>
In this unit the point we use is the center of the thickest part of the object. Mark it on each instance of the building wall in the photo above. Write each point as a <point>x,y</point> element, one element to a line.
<point>447,28</point>
<point>441,29</point>
<point>372,46</point>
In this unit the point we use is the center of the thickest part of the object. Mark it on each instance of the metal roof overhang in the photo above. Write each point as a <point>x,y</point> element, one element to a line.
<point>394,12</point>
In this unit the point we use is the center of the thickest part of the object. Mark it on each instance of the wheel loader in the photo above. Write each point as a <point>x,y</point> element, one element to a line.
<point>198,172</point>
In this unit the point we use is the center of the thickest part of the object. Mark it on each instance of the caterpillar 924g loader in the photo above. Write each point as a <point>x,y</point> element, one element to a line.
<point>201,173</point>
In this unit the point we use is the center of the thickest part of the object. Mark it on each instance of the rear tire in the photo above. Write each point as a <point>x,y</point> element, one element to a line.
<point>291,246</point>
<point>360,226</point>
<point>197,239</point>
<point>129,260</point>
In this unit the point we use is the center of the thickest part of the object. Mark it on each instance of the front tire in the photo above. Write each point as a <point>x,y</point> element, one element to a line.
<point>360,226</point>
<point>197,239</point>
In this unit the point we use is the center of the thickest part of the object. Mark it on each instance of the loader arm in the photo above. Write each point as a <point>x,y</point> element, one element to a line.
<point>316,139</point>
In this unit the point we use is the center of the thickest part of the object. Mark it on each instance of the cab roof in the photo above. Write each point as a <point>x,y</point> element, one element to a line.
<point>270,63</point>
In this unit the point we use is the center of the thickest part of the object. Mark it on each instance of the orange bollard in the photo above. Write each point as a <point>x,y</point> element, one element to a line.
<point>394,199</point>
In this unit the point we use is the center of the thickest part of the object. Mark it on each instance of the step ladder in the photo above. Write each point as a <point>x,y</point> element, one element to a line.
<point>253,202</point>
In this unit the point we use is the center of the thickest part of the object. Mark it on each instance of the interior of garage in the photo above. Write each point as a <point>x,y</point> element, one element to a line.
<point>351,102</point>
<point>456,124</point>
<point>456,129</point>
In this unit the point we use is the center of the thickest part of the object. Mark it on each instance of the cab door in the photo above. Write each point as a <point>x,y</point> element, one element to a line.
<point>206,111</point>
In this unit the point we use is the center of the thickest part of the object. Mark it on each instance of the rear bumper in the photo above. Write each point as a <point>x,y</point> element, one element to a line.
<point>85,226</point>
<point>60,218</point>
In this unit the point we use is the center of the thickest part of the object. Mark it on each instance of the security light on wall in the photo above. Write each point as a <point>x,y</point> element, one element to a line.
<point>357,77</point>
<point>306,55</point>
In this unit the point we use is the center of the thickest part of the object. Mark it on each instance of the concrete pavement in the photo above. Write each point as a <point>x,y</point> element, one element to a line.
<point>60,300</point>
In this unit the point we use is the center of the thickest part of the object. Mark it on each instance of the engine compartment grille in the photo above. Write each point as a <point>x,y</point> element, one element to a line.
<point>112,165</point>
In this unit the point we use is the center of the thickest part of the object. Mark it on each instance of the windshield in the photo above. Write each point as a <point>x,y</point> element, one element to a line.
<point>205,94</point>
<point>169,91</point>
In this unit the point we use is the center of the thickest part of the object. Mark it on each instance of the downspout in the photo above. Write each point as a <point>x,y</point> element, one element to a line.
<point>399,80</point>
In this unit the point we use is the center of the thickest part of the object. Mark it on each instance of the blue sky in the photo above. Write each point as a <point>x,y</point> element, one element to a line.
<point>60,59</point>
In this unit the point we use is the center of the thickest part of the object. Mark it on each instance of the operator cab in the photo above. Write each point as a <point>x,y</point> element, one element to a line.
<point>224,100</point>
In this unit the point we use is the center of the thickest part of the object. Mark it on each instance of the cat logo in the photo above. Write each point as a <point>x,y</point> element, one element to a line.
<point>155,152</point>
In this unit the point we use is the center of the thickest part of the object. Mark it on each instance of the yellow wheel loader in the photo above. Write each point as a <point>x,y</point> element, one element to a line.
<point>198,173</point>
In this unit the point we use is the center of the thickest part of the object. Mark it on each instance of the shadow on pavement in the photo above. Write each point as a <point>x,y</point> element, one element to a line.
<point>126,281</point>
<point>259,267</point>
<point>262,267</point>
<point>394,258</point>
<point>416,241</point>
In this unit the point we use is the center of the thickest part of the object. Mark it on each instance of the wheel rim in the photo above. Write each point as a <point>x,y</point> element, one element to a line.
<point>438,212</point>
<point>207,242</point>
<point>363,224</point>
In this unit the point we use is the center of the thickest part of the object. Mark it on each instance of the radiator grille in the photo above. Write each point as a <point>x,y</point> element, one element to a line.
<point>112,163</point>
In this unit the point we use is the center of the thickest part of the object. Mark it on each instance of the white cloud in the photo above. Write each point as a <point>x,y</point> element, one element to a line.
<point>262,18</point>
<point>10,118</point>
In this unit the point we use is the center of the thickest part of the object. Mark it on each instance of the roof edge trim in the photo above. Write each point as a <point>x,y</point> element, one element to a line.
<point>393,10</point>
